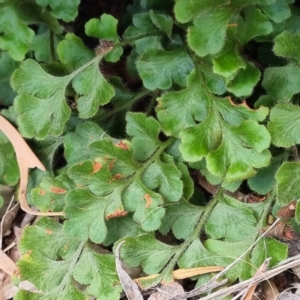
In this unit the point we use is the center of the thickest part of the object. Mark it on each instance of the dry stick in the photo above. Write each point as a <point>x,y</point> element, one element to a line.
<point>26,160</point>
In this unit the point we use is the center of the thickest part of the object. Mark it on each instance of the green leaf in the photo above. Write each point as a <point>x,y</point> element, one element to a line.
<point>51,193</point>
<point>72,52</point>
<point>65,10</point>
<point>192,103</point>
<point>94,91</point>
<point>9,170</point>
<point>188,183</point>
<point>165,177</point>
<point>162,21</point>
<point>227,252</point>
<point>177,65</point>
<point>288,180</point>
<point>234,114</point>
<point>7,66</point>
<point>208,33</point>
<point>282,83</point>
<point>269,247</point>
<point>119,228</point>
<point>16,44</point>
<point>199,140</point>
<point>50,268</point>
<point>142,26</point>
<point>229,149</point>
<point>41,45</point>
<point>146,251</point>
<point>46,151</point>
<point>49,233</point>
<point>243,148</point>
<point>182,217</point>
<point>287,45</point>
<point>228,61</point>
<point>105,28</point>
<point>186,10</point>
<point>117,156</point>
<point>86,214</point>
<point>41,105</point>
<point>264,181</point>
<point>221,223</point>
<point>145,135</point>
<point>278,11</point>
<point>146,205</point>
<point>1,201</point>
<point>98,272</point>
<point>77,143</point>
<point>254,24</point>
<point>244,81</point>
<point>94,176</point>
<point>283,125</point>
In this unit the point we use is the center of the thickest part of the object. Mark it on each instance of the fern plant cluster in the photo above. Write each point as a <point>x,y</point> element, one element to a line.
<point>217,101</point>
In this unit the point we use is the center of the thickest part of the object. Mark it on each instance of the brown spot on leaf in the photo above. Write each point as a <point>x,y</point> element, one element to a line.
<point>96,166</point>
<point>122,145</point>
<point>48,231</point>
<point>80,185</point>
<point>17,273</point>
<point>118,176</point>
<point>117,214</point>
<point>148,199</point>
<point>42,192</point>
<point>232,25</point>
<point>58,190</point>
<point>111,164</point>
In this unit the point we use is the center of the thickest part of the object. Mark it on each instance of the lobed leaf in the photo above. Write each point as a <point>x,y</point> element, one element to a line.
<point>253,24</point>
<point>287,45</point>
<point>7,67</point>
<point>76,143</point>
<point>182,218</point>
<point>192,103</point>
<point>207,36</point>
<point>177,65</point>
<point>9,169</point>
<point>41,94</point>
<point>105,28</point>
<point>228,61</point>
<point>143,26</point>
<point>278,11</point>
<point>65,10</point>
<point>221,223</point>
<point>284,120</point>
<point>16,44</point>
<point>146,251</point>
<point>282,83</point>
<point>243,148</point>
<point>287,178</point>
<point>72,52</point>
<point>186,10</point>
<point>244,81</point>
<point>162,22</point>
<point>98,272</point>
<point>145,135</point>
<point>49,268</point>
<point>94,91</point>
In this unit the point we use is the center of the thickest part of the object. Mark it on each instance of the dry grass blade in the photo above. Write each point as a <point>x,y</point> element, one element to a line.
<point>26,160</point>
<point>185,273</point>
<point>6,264</point>
<point>129,286</point>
